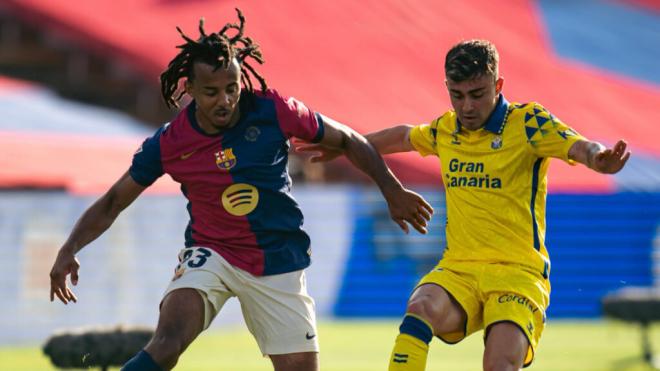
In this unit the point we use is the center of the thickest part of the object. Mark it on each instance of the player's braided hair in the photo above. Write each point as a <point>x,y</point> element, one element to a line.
<point>217,49</point>
<point>471,59</point>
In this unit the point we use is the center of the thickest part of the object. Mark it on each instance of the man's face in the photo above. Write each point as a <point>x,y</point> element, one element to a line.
<point>216,92</point>
<point>474,100</point>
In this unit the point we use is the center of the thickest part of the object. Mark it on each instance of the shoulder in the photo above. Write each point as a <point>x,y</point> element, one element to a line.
<point>531,115</point>
<point>444,122</point>
<point>269,94</point>
<point>263,101</point>
<point>442,125</point>
<point>174,127</point>
<point>278,97</point>
<point>159,132</point>
<point>151,145</point>
<point>527,110</point>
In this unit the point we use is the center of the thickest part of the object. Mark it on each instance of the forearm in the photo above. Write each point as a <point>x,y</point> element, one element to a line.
<point>391,140</point>
<point>94,221</point>
<point>585,152</point>
<point>365,157</point>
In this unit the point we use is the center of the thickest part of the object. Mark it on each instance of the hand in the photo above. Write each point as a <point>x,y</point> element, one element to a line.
<point>408,207</point>
<point>321,153</point>
<point>65,263</point>
<point>610,161</point>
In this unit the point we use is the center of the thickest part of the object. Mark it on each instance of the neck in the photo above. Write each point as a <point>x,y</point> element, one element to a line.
<point>473,128</point>
<point>483,124</point>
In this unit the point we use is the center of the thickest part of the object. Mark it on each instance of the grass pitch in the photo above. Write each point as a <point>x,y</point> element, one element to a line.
<point>365,346</point>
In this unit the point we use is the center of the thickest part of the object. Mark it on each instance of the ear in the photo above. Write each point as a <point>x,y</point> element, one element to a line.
<point>499,84</point>
<point>188,85</point>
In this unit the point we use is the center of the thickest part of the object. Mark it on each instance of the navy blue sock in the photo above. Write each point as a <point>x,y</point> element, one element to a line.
<point>141,362</point>
<point>416,327</point>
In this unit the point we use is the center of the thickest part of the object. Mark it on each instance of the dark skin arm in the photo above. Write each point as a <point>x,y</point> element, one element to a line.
<point>406,207</point>
<point>391,140</point>
<point>93,222</point>
<point>599,158</point>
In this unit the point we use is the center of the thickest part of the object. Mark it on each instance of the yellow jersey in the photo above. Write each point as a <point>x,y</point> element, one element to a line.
<point>496,181</point>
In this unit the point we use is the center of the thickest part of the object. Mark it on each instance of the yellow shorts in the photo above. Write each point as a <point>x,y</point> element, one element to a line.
<point>491,293</point>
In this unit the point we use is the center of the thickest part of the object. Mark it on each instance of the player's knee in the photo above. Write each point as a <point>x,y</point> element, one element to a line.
<point>425,308</point>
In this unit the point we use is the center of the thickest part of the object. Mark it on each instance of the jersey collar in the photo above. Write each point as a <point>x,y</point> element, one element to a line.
<point>495,123</point>
<point>192,107</point>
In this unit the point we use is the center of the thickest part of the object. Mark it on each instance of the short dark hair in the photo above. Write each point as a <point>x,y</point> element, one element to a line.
<point>215,49</point>
<point>471,59</point>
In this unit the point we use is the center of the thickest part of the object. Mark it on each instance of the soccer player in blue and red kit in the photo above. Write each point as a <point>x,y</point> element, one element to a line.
<point>228,149</point>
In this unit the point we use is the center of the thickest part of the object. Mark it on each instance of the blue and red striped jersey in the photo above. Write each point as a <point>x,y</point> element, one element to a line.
<point>236,182</point>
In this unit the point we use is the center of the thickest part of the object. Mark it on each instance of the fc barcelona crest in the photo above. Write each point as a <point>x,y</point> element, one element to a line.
<point>225,159</point>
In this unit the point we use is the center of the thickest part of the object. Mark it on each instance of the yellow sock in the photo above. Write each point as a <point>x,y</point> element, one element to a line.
<point>411,347</point>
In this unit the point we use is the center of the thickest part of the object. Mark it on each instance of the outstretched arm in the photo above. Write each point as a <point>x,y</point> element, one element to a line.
<point>405,206</point>
<point>94,221</point>
<point>599,158</point>
<point>391,140</point>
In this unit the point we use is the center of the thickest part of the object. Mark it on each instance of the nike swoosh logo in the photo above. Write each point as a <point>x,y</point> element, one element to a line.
<point>310,337</point>
<point>186,155</point>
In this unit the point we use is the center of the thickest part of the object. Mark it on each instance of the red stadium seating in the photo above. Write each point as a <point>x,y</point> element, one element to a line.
<point>372,64</point>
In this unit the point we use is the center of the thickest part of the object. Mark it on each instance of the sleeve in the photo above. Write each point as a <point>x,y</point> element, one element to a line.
<point>147,165</point>
<point>296,120</point>
<point>547,135</point>
<point>423,138</point>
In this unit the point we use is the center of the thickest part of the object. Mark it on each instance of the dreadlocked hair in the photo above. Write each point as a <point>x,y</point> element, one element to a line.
<point>217,49</point>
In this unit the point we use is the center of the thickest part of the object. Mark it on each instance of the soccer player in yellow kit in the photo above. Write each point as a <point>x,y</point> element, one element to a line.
<point>494,157</point>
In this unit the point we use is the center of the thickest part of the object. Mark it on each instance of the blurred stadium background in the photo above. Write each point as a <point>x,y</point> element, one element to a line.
<point>79,91</point>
